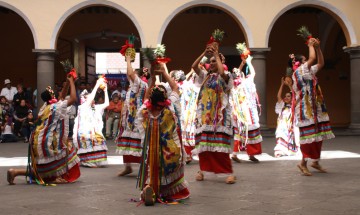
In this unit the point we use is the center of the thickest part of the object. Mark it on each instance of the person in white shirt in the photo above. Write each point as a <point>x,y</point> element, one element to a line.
<point>8,91</point>
<point>7,127</point>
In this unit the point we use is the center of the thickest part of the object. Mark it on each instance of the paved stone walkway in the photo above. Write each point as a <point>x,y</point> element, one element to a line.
<point>274,186</point>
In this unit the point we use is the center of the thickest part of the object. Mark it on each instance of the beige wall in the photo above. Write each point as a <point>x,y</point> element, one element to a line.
<point>151,17</point>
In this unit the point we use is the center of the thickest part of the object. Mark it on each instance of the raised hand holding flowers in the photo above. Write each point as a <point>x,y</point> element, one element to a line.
<point>212,45</point>
<point>128,49</point>
<point>305,34</point>
<point>69,69</point>
<point>243,50</point>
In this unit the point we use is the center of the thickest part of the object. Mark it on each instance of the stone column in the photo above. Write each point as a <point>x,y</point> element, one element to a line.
<point>354,53</point>
<point>45,71</point>
<point>259,63</point>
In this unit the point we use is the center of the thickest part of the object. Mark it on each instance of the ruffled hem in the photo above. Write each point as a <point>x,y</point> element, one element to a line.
<point>94,164</point>
<point>205,148</point>
<point>45,160</point>
<point>131,134</point>
<point>61,171</point>
<point>307,122</point>
<point>256,141</point>
<point>129,152</point>
<point>210,128</point>
<point>317,137</point>
<point>93,149</point>
<point>177,189</point>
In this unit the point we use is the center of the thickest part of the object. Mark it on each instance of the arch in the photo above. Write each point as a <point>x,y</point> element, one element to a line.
<point>212,3</point>
<point>25,18</point>
<point>333,11</point>
<point>88,3</point>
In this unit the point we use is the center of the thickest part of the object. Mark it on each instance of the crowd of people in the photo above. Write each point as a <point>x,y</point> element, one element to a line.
<point>162,125</point>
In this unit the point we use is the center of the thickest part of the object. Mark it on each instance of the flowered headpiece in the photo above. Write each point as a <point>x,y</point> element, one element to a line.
<point>166,102</point>
<point>52,94</point>
<point>295,64</point>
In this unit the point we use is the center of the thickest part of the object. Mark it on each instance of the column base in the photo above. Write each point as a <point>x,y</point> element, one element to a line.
<point>354,128</point>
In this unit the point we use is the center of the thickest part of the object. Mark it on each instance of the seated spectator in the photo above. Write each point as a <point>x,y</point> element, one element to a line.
<point>7,127</point>
<point>6,107</point>
<point>21,94</point>
<point>8,91</point>
<point>27,126</point>
<point>20,114</point>
<point>113,117</point>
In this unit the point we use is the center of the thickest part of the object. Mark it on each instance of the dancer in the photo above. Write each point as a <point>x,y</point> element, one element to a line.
<point>285,129</point>
<point>161,176</point>
<point>240,110</point>
<point>213,124</point>
<point>310,110</point>
<point>128,140</point>
<point>190,91</point>
<point>52,157</point>
<point>88,136</point>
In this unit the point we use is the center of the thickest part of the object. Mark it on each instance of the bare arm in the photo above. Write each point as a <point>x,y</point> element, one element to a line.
<point>91,97</point>
<point>131,74</point>
<point>279,94</point>
<point>220,67</point>
<point>64,91</point>
<point>152,84</point>
<point>196,65</point>
<point>243,62</point>
<point>189,74</point>
<point>312,54</point>
<point>106,102</point>
<point>320,57</point>
<point>174,87</point>
<point>72,98</point>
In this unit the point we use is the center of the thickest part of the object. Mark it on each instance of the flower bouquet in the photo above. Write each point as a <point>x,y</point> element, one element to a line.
<point>157,55</point>
<point>69,69</point>
<point>216,38</point>
<point>103,81</point>
<point>243,50</point>
<point>128,48</point>
<point>304,33</point>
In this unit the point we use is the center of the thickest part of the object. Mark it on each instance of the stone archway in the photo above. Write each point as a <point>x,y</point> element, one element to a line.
<point>238,18</point>
<point>185,41</point>
<point>91,3</point>
<point>338,15</point>
<point>283,40</point>
<point>91,29</point>
<point>18,39</point>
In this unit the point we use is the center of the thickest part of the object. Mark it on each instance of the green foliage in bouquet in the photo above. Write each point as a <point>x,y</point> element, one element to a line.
<point>241,47</point>
<point>159,51</point>
<point>148,54</point>
<point>304,32</point>
<point>67,65</point>
<point>218,35</point>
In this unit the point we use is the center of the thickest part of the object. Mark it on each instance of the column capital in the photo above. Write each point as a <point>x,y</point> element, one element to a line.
<point>354,52</point>
<point>259,53</point>
<point>45,54</point>
<point>260,50</point>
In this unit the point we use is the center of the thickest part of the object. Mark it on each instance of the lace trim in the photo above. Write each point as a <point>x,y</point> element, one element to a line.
<point>318,137</point>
